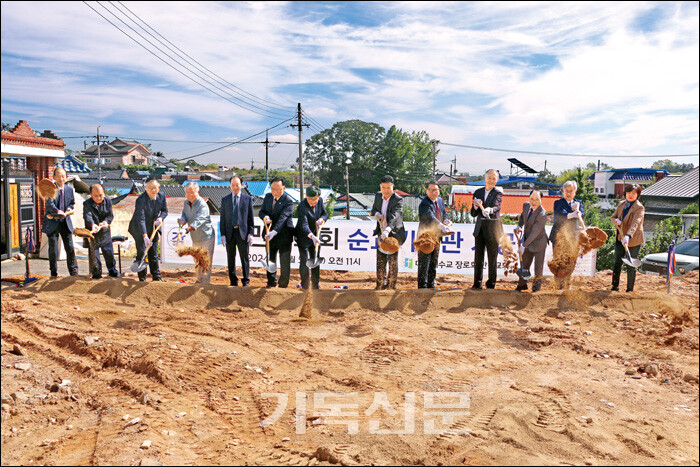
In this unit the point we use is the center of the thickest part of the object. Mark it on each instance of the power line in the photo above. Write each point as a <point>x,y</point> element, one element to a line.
<point>162,60</point>
<point>232,143</point>
<point>567,155</point>
<point>238,90</point>
<point>219,77</point>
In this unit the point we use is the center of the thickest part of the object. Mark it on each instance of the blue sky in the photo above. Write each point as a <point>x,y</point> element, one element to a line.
<point>610,78</point>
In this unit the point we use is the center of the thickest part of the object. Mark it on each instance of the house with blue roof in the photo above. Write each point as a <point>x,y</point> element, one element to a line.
<point>609,185</point>
<point>73,165</point>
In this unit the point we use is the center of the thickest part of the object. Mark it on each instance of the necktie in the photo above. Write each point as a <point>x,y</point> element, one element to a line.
<point>235,210</point>
<point>274,202</point>
<point>437,210</point>
<point>528,215</point>
<point>63,201</point>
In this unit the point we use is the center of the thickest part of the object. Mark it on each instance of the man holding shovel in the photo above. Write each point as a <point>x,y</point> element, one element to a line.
<point>388,210</point>
<point>195,213</point>
<point>534,240</point>
<point>312,214</point>
<point>433,217</point>
<point>58,223</point>
<point>276,213</point>
<point>149,213</point>
<point>97,214</point>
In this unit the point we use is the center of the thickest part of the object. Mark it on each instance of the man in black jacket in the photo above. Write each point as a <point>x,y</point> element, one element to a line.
<point>236,226</point>
<point>149,212</point>
<point>97,212</point>
<point>388,210</point>
<point>432,217</point>
<point>488,230</point>
<point>312,214</point>
<point>276,212</point>
<point>57,222</point>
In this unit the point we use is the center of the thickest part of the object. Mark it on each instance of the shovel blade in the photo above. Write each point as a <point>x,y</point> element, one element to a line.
<point>138,266</point>
<point>633,263</point>
<point>524,273</point>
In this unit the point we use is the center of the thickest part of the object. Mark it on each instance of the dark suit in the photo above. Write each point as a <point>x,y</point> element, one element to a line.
<point>236,231</point>
<point>281,216</point>
<point>562,209</point>
<point>487,233</point>
<point>394,220</point>
<point>64,201</point>
<point>95,214</point>
<point>535,242</point>
<point>307,225</point>
<point>146,211</point>
<point>430,216</point>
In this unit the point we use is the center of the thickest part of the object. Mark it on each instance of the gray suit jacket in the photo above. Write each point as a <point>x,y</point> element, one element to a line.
<point>535,237</point>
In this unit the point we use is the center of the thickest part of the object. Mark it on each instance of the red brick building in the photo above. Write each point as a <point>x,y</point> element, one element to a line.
<point>31,157</point>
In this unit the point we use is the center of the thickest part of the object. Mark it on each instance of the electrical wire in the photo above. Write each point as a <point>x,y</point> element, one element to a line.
<point>164,61</point>
<point>262,101</point>
<point>568,155</point>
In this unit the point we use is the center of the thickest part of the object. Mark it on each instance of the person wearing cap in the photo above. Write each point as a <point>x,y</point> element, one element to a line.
<point>56,223</point>
<point>312,214</point>
<point>149,212</point>
<point>487,231</point>
<point>628,219</point>
<point>432,216</point>
<point>276,212</point>
<point>236,227</point>
<point>97,213</point>
<point>388,210</point>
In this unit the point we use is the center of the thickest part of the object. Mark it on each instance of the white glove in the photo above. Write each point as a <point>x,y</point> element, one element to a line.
<point>104,224</point>
<point>250,241</point>
<point>625,241</point>
<point>223,241</point>
<point>444,228</point>
<point>271,235</point>
<point>315,239</point>
<point>488,211</point>
<point>267,220</point>
<point>60,213</point>
<point>94,227</point>
<point>478,202</point>
<point>383,236</point>
<point>521,250</point>
<point>518,230</point>
<point>448,223</point>
<point>147,242</point>
<point>159,221</point>
<point>617,221</point>
<point>573,215</point>
<point>378,216</point>
<point>319,222</point>
<point>575,205</point>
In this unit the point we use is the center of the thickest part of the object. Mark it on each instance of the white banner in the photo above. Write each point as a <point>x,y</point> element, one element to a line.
<point>349,245</point>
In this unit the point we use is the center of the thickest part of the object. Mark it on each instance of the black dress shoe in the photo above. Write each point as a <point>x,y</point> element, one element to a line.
<point>157,279</point>
<point>615,289</point>
<point>476,287</point>
<point>521,288</point>
<point>97,277</point>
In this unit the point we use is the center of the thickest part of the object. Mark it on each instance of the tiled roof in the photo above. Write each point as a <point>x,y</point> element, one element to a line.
<point>258,188</point>
<point>685,186</point>
<point>72,164</point>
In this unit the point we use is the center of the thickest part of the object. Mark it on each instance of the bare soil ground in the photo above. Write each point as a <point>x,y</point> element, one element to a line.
<point>585,376</point>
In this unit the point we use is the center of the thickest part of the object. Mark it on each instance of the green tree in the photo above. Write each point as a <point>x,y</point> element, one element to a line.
<point>325,153</point>
<point>665,232</point>
<point>545,176</point>
<point>407,157</point>
<point>673,167</point>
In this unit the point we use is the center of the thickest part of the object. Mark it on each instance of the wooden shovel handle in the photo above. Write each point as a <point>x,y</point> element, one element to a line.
<point>267,240</point>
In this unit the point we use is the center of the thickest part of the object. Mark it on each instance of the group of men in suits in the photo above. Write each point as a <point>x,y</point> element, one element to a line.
<point>237,229</point>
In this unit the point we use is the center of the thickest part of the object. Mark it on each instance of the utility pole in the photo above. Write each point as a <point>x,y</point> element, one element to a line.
<point>347,190</point>
<point>267,159</point>
<point>99,155</point>
<point>301,152</point>
<point>435,142</point>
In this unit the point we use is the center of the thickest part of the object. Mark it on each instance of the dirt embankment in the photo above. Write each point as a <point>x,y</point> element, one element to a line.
<point>121,372</point>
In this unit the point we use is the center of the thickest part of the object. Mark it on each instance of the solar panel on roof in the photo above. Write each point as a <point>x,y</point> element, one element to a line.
<point>522,165</point>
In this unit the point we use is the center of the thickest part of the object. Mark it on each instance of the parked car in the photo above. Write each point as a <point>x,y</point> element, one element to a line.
<point>686,259</point>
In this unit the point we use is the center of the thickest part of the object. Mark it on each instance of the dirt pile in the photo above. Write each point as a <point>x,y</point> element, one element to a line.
<point>426,242</point>
<point>200,255</point>
<point>390,245</point>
